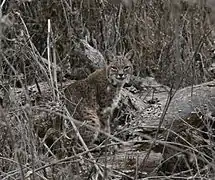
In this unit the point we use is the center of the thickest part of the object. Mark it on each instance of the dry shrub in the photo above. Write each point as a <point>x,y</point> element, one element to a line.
<point>172,40</point>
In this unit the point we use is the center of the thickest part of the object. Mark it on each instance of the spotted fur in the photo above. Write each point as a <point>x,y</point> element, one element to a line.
<point>93,99</point>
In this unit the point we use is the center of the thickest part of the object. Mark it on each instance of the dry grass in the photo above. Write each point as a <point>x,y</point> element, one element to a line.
<point>173,41</point>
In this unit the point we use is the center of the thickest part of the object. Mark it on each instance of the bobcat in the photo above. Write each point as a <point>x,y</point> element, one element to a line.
<point>92,100</point>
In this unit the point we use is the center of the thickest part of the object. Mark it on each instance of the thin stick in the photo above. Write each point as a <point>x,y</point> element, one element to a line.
<point>2,4</point>
<point>83,143</point>
<point>55,70</point>
<point>49,57</point>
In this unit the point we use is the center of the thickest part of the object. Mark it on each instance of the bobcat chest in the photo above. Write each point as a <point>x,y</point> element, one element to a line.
<point>113,102</point>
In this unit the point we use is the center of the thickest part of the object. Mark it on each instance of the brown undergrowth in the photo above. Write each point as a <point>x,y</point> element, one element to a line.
<point>173,41</point>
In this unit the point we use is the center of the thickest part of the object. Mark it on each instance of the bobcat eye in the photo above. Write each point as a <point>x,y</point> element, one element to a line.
<point>127,68</point>
<point>113,68</point>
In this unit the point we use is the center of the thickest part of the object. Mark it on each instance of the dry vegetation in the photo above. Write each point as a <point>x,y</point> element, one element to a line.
<point>40,50</point>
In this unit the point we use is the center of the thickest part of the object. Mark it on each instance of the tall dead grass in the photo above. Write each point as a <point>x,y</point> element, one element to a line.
<point>173,41</point>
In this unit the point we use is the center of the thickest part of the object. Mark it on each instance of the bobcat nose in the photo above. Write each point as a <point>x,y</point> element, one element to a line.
<point>120,76</point>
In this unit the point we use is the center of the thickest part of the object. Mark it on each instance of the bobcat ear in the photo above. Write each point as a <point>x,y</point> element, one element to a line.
<point>129,55</point>
<point>109,57</point>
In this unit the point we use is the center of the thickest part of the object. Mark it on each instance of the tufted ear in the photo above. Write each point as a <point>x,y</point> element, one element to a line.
<point>129,55</point>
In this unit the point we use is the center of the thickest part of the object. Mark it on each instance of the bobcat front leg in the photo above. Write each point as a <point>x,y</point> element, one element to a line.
<point>91,118</point>
<point>105,122</point>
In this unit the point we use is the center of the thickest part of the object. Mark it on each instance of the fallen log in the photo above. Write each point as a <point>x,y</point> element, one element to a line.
<point>189,124</point>
<point>190,102</point>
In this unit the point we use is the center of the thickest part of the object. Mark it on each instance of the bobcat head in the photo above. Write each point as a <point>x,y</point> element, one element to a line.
<point>120,69</point>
